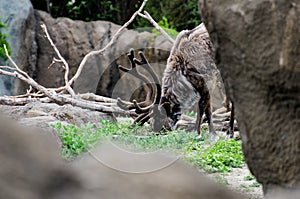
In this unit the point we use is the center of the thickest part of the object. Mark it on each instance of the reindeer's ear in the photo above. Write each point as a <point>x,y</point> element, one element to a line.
<point>163,99</point>
<point>166,106</point>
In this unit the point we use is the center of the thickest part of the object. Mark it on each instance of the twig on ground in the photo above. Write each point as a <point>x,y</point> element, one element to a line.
<point>16,101</point>
<point>62,99</point>
<point>51,94</point>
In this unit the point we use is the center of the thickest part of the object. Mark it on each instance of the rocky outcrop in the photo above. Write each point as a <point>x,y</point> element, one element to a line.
<point>19,18</point>
<point>258,48</point>
<point>43,115</point>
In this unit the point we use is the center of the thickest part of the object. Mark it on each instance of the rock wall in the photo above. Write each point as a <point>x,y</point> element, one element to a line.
<point>258,48</point>
<point>18,16</point>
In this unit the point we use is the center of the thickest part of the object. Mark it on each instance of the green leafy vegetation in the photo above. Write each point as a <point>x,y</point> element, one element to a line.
<point>255,184</point>
<point>191,114</point>
<point>244,187</point>
<point>249,178</point>
<point>181,14</point>
<point>3,41</point>
<point>220,157</point>
<point>76,140</point>
<point>164,24</point>
<point>222,180</point>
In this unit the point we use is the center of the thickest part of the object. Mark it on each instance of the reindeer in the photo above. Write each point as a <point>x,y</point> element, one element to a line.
<point>184,83</point>
<point>185,80</point>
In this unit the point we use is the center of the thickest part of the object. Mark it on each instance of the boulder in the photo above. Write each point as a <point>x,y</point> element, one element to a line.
<point>19,18</point>
<point>257,50</point>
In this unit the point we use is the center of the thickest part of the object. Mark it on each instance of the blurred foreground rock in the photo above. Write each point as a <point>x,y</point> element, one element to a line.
<point>31,168</point>
<point>257,50</point>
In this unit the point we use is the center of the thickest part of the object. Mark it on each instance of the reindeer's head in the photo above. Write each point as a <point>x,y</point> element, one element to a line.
<point>167,115</point>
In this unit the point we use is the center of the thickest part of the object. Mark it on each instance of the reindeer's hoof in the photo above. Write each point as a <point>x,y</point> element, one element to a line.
<point>214,137</point>
<point>227,137</point>
<point>200,138</point>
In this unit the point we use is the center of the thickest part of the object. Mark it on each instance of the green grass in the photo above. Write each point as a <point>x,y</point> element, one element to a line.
<point>191,114</point>
<point>249,178</point>
<point>255,184</point>
<point>221,180</point>
<point>220,157</point>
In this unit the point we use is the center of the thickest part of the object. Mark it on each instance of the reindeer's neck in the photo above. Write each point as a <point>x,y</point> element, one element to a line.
<point>181,89</point>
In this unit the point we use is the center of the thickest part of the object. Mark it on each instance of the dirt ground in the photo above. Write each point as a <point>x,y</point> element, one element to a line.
<point>240,180</point>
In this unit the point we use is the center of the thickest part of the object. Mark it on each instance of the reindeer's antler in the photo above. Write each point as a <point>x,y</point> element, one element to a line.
<point>144,109</point>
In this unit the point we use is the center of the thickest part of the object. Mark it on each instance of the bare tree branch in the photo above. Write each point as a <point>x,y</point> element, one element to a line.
<point>15,101</point>
<point>65,63</point>
<point>147,16</point>
<point>14,64</point>
<point>97,98</point>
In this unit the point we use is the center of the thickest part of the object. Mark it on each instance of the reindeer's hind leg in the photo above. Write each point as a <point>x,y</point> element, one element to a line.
<point>230,131</point>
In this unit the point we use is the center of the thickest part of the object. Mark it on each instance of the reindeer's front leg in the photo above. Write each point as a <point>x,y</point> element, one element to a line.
<point>201,108</point>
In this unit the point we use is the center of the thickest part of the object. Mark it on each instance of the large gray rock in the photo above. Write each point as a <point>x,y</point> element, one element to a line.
<point>258,48</point>
<point>19,17</point>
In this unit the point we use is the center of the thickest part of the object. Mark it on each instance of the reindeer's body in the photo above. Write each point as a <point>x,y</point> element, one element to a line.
<point>185,78</point>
